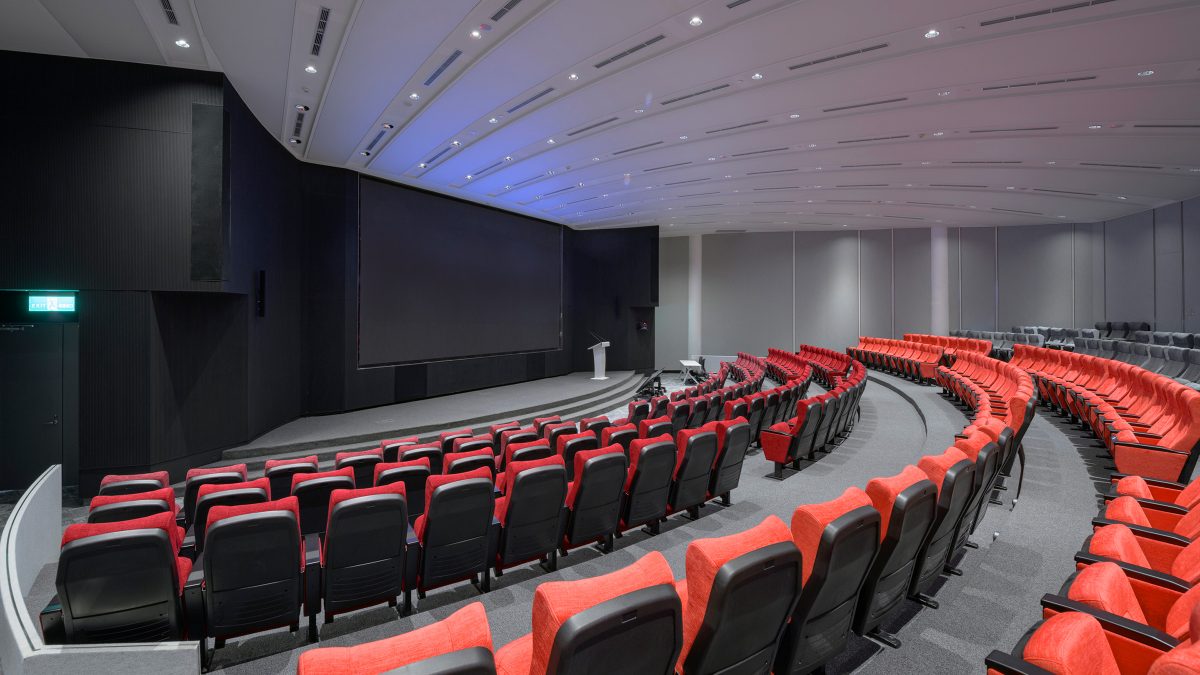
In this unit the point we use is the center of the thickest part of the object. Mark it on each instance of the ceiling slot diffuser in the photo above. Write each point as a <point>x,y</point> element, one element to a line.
<point>929,203</point>
<point>683,182</point>
<point>1166,126</point>
<point>585,199</point>
<point>319,35</point>
<point>727,231</point>
<point>375,141</point>
<point>865,105</point>
<point>1043,12</point>
<point>739,126</point>
<point>508,7</point>
<point>631,50</point>
<point>756,152</point>
<point>1065,192</point>
<point>1120,166</point>
<point>702,206</point>
<point>637,147</point>
<point>701,194</point>
<point>528,180</point>
<point>864,166</point>
<point>487,168</point>
<point>599,208</point>
<point>1032,213</point>
<point>299,126</point>
<point>442,68</point>
<point>529,100</point>
<point>569,187</point>
<point>666,166</point>
<point>762,173</point>
<point>1003,131</point>
<point>170,12</point>
<point>736,3</point>
<point>784,187</point>
<point>986,161</point>
<point>831,213</point>
<point>904,217</point>
<point>685,97</point>
<point>862,185</point>
<point>769,213</point>
<point>593,126</point>
<point>850,201</point>
<point>956,185</point>
<point>1039,83</point>
<point>877,138</point>
<point>835,57</point>
<point>775,201</point>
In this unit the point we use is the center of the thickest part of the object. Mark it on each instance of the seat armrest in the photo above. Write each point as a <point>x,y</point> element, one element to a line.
<point>187,548</point>
<point>1007,664</point>
<point>312,574</point>
<point>1112,623</point>
<point>1156,482</point>
<point>193,601</point>
<point>1147,446</point>
<point>1165,507</point>
<point>1150,533</point>
<point>1146,574</point>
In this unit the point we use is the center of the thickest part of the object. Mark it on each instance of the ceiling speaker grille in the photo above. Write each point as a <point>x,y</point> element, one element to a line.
<point>1043,12</point>
<point>299,125</point>
<point>442,68</point>
<point>685,97</point>
<point>375,141</point>
<point>529,100</point>
<point>637,147</point>
<point>319,35</point>
<point>508,7</point>
<point>631,50</point>
<point>843,55</point>
<point>170,12</point>
<point>593,126</point>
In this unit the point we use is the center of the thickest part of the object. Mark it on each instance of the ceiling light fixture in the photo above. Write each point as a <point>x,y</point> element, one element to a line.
<point>310,69</point>
<point>456,142</point>
<point>389,125</point>
<point>931,33</point>
<point>422,165</point>
<point>943,93</point>
<point>1095,126</point>
<point>508,158</point>
<point>595,159</point>
<point>475,34</point>
<point>1052,163</point>
<point>639,110</point>
<point>812,145</point>
<point>712,159</point>
<point>573,76</point>
<point>294,141</point>
<point>695,22</point>
<point>1122,198</point>
<point>469,176</point>
<point>414,96</point>
<point>493,121</point>
<point>926,163</point>
<point>365,153</point>
<point>683,138</point>
<point>1144,73</point>
<point>939,133</point>
<point>507,187</point>
<point>301,107</point>
<point>795,116</point>
<point>756,76</point>
<point>549,141</point>
<point>184,44</point>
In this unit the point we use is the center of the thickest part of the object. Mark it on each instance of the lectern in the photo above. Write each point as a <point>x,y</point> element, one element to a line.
<point>598,360</point>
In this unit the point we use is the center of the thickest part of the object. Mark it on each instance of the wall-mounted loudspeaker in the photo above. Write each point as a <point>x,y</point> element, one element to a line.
<point>260,293</point>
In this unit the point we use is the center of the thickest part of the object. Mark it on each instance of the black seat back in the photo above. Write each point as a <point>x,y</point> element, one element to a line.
<point>754,415</point>
<point>638,632</point>
<point>414,478</point>
<point>576,445</point>
<point>470,661</point>
<point>638,411</point>
<point>364,552</point>
<point>223,498</point>
<point>448,440</point>
<point>730,455</point>
<point>715,402</point>
<point>434,455</point>
<point>457,525</point>
<point>363,466</point>
<point>534,519</point>
<point>751,599</point>
<point>391,451</point>
<point>135,508</point>
<point>540,451</point>
<point>477,444</point>
<point>280,477</point>
<point>739,409</point>
<point>623,438</point>
<point>192,487</point>
<point>699,412</point>
<point>690,487</point>
<point>911,520</point>
<point>465,464</point>
<point>252,579</point>
<point>553,431</point>
<point>770,409</point>
<point>650,484</point>
<point>957,486</point>
<point>681,413</point>
<point>313,496</point>
<point>596,510</point>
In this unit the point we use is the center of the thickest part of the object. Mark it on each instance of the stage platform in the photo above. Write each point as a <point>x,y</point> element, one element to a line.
<point>575,395</point>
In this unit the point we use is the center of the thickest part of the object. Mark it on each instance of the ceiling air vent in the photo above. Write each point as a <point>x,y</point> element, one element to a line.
<point>593,126</point>
<point>775,201</point>
<point>756,152</point>
<point>1120,166</point>
<point>375,141</point>
<point>170,12</point>
<point>528,180</point>
<point>665,166</point>
<point>554,192</point>
<point>862,185</point>
<point>508,7</point>
<point>866,166</point>
<point>865,105</point>
<point>319,35</point>
<point>843,55</point>
<point>738,126</point>
<point>1038,83</point>
<point>831,213</point>
<point>631,50</point>
<point>904,217</point>
<point>702,206</point>
<point>762,173</point>
<point>685,97</point>
<point>1065,192</point>
<point>700,194</point>
<point>957,185</point>
<point>1002,131</point>
<point>986,161</point>
<point>438,156</point>
<point>599,208</point>
<point>442,68</point>
<point>585,199</point>
<point>783,187</point>
<point>1166,126</point>
<point>736,3</point>
<point>877,138</point>
<point>929,203</point>
<point>728,231</point>
<point>850,201</point>
<point>684,182</point>
<point>487,168</point>
<point>1043,12</point>
<point>529,100</point>
<point>1031,213</point>
<point>637,147</point>
<point>299,126</point>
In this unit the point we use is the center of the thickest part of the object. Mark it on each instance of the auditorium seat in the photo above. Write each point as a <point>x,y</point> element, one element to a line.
<point>594,497</point>
<point>838,540</point>
<point>1183,340</point>
<point>1186,496</point>
<point>787,443</point>
<point>733,439</point>
<point>531,513</point>
<point>755,407</point>
<point>527,451</point>
<point>431,452</point>
<point>696,453</point>
<point>1121,544</point>
<point>953,473</point>
<point>651,466</point>
<point>225,494</point>
<point>197,477</point>
<point>539,423</point>
<point>658,406</point>
<point>362,462</point>
<point>1106,590</point>
<point>362,555</point>
<point>279,473</point>
<point>462,462</point>
<point>460,644</point>
<point>446,438</point>
<point>392,447</point>
<point>122,581</point>
<point>985,453</point>
<point>111,508</point>
<point>497,429</point>
<point>312,491</point>
<point>595,424</point>
<point>241,598</point>
<point>680,413</point>
<point>413,474</point>
<point>627,621</point>
<point>119,484</point>
<point>553,431</point>
<point>621,435</point>
<point>737,596</point>
<point>735,408</point>
<point>1159,519</point>
<point>715,402</point>
<point>699,411</point>
<point>455,533</point>
<point>570,444</point>
<point>907,504</point>
<point>473,443</point>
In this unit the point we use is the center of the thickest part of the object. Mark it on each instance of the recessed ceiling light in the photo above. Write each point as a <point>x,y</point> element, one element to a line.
<point>756,76</point>
<point>470,176</point>
<point>1052,163</point>
<point>475,34</point>
<point>931,33</point>
<point>1194,170</point>
<point>1122,198</point>
<point>389,125</point>
<point>507,187</point>
<point>294,141</point>
<point>926,163</point>
<point>729,176</point>
<point>550,141</point>
<point>1062,216</point>
<point>310,69</point>
<point>493,120</point>
<point>695,21</point>
<point>508,158</point>
<point>595,159</point>
<point>580,183</point>
<point>573,76</point>
<point>943,93</point>
<point>939,133</point>
<point>422,165</point>
<point>539,196</point>
<point>456,142</point>
<point>1095,126</point>
<point>908,185</point>
<point>639,110</point>
<point>812,145</point>
<point>819,168</point>
<point>414,96</point>
<point>1144,73</point>
<point>185,44</point>
<point>712,159</point>
<point>301,107</point>
<point>365,153</point>
<point>795,116</point>
<point>1010,188</point>
<point>551,172</point>
<point>683,138</point>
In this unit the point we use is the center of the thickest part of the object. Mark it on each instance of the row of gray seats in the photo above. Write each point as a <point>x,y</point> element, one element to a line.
<point>1003,341</point>
<point>1066,336</point>
<point>1180,363</point>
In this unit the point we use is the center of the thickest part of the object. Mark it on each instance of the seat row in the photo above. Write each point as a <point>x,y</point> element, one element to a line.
<point>1002,343</point>
<point>817,423</point>
<point>952,345</point>
<point>826,363</point>
<point>1178,363</point>
<point>913,360</point>
<point>1148,423</point>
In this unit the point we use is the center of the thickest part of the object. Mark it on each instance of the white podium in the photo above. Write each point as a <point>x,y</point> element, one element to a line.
<point>598,360</point>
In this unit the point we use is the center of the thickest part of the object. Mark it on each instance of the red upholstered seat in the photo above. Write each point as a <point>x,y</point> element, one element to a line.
<point>384,466</point>
<point>531,513</point>
<point>200,471</point>
<point>655,425</point>
<point>1126,509</point>
<point>339,496</point>
<point>809,521</point>
<point>165,494</point>
<point>510,473</point>
<point>161,477</point>
<point>437,481</point>
<point>458,462</point>
<point>554,602</point>
<point>464,629</point>
<point>1106,587</point>
<point>160,521</point>
<point>581,459</point>
<point>363,551</point>
<point>1118,542</point>
<point>1187,496</point>
<point>455,530</point>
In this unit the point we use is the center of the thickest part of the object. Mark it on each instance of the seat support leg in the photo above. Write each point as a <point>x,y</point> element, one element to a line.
<point>925,600</point>
<point>885,637</point>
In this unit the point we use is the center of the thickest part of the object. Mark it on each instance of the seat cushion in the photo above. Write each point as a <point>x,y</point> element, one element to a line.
<point>166,494</point>
<point>884,491</point>
<point>385,466</point>
<point>1071,644</point>
<point>1105,587</point>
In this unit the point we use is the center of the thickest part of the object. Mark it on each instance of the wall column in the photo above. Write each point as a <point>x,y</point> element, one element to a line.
<point>695,256</point>
<point>939,278</point>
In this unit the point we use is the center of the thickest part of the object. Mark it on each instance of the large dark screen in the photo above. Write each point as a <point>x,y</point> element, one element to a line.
<point>442,279</point>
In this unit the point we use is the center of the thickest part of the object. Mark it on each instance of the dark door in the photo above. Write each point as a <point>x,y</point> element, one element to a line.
<point>31,402</point>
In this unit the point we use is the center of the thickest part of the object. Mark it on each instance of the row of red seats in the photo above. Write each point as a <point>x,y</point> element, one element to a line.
<point>785,366</point>
<point>913,360</point>
<point>952,345</point>
<point>1132,606</point>
<point>826,363</point>
<point>765,600</point>
<point>1150,424</point>
<point>816,423</point>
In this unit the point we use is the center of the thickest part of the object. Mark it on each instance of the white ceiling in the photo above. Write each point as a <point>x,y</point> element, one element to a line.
<point>988,123</point>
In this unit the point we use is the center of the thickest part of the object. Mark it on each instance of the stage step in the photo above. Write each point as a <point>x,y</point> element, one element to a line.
<point>591,404</point>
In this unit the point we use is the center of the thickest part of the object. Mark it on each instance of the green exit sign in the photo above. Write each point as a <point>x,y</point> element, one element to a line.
<point>52,303</point>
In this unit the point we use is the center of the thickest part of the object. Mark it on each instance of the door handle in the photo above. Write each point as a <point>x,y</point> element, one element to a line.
<point>51,422</point>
